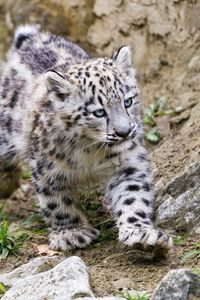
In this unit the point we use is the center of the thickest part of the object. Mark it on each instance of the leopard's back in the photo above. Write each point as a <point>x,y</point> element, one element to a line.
<point>32,54</point>
<point>42,51</point>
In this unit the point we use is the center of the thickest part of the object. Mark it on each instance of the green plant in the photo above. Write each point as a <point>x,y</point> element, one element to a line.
<point>2,289</point>
<point>136,296</point>
<point>107,231</point>
<point>30,228</point>
<point>26,174</point>
<point>196,271</point>
<point>195,252</point>
<point>2,214</point>
<point>152,135</point>
<point>179,240</point>
<point>156,109</point>
<point>8,243</point>
<point>32,220</point>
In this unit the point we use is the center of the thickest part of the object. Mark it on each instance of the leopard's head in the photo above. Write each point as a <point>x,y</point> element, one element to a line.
<point>98,99</point>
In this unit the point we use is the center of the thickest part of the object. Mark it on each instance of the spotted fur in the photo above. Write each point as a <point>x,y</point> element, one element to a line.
<point>75,120</point>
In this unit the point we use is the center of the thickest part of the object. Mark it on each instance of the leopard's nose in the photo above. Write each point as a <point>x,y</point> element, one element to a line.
<point>123,132</point>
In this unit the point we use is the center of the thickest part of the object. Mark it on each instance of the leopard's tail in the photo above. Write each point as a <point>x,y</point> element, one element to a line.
<point>22,33</point>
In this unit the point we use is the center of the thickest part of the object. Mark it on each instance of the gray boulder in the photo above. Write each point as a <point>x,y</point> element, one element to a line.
<point>178,204</point>
<point>179,284</point>
<point>68,279</point>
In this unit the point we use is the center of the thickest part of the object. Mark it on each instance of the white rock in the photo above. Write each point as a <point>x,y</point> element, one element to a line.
<point>68,279</point>
<point>34,266</point>
<point>25,188</point>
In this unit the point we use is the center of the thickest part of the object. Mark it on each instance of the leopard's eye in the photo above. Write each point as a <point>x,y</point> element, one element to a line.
<point>99,113</point>
<point>128,102</point>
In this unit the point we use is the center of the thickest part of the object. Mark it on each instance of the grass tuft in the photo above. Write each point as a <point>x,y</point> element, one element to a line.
<point>193,253</point>
<point>26,175</point>
<point>157,109</point>
<point>8,243</point>
<point>152,135</point>
<point>179,240</point>
<point>2,289</point>
<point>154,110</point>
<point>137,296</point>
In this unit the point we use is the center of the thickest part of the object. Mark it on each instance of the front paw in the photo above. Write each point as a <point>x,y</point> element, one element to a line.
<point>67,239</point>
<point>145,236</point>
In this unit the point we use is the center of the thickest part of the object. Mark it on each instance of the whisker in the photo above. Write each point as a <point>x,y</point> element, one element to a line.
<point>99,149</point>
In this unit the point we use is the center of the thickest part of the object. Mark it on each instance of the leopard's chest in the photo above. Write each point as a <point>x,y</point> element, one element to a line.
<point>91,166</point>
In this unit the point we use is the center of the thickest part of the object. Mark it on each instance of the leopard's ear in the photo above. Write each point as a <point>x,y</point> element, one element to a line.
<point>58,83</point>
<point>122,57</point>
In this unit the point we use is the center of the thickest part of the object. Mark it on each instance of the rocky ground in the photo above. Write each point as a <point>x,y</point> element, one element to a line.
<point>56,278</point>
<point>166,40</point>
<point>112,267</point>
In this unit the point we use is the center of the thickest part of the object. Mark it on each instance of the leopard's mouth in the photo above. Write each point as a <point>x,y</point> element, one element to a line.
<point>117,142</point>
<point>112,143</point>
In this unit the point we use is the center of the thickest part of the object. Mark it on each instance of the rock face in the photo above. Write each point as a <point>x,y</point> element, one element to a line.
<point>67,279</point>
<point>178,205</point>
<point>178,285</point>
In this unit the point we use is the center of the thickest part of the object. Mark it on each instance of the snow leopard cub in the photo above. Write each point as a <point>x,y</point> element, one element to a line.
<point>75,120</point>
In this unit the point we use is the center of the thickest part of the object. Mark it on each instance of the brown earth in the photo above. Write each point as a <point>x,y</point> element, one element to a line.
<point>166,40</point>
